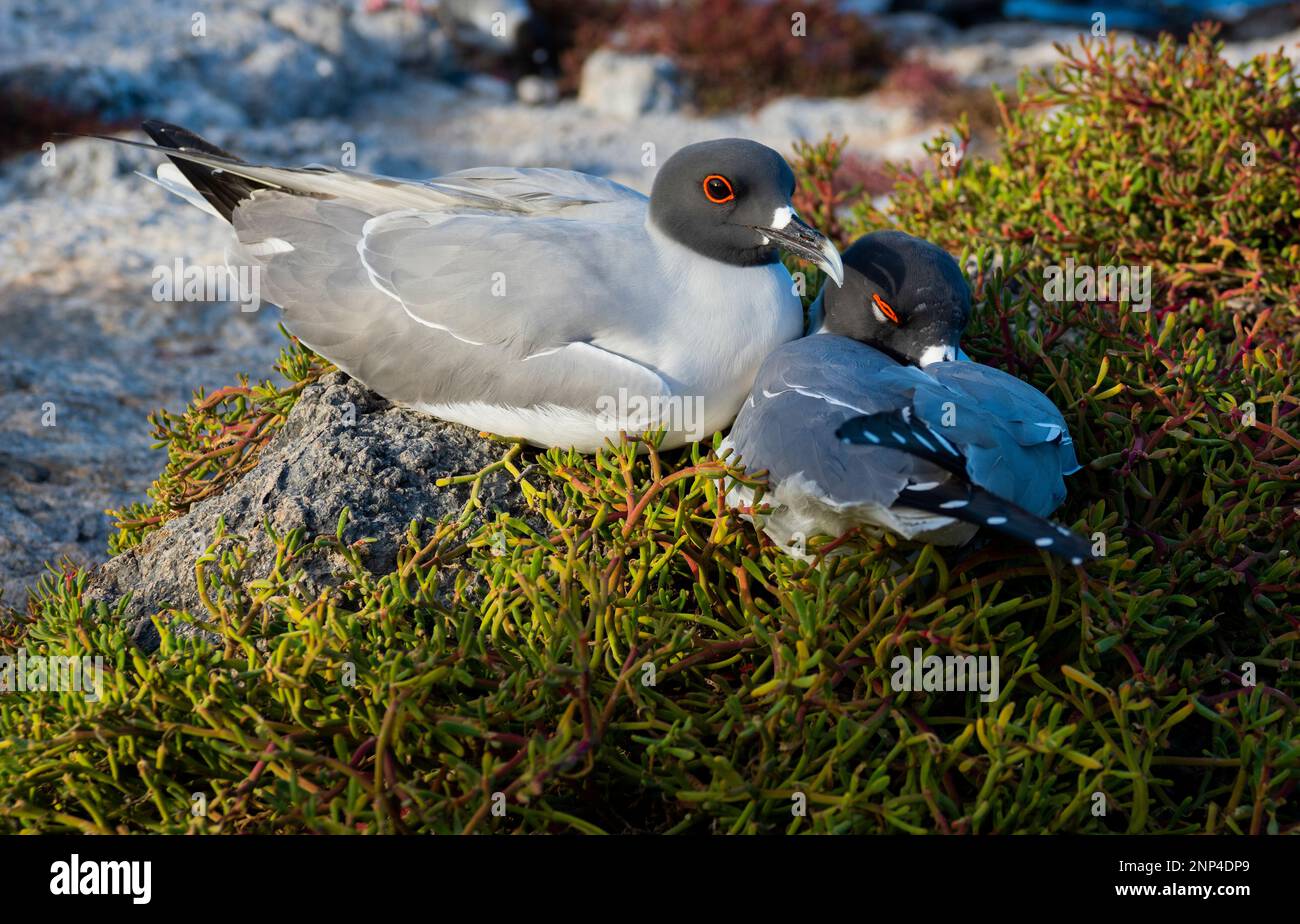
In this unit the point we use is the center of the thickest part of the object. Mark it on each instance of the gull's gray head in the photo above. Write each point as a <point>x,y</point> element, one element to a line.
<point>730,200</point>
<point>902,295</point>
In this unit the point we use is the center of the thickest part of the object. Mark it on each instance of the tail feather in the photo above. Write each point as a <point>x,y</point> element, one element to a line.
<point>224,181</point>
<point>965,501</point>
<point>222,189</point>
<point>958,497</point>
<point>172,180</point>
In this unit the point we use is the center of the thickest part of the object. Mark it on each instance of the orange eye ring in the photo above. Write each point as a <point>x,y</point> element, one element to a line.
<point>884,308</point>
<point>718,200</point>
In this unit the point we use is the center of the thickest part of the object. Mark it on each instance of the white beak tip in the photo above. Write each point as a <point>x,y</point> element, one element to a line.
<point>833,265</point>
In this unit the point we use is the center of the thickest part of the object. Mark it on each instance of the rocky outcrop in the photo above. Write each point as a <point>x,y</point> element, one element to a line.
<point>626,86</point>
<point>342,447</point>
<point>264,60</point>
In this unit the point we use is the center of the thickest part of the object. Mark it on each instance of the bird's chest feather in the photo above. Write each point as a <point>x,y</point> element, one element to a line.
<point>728,319</point>
<point>737,317</point>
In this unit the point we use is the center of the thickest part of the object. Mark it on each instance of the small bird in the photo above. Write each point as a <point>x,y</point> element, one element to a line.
<point>542,304</point>
<point>870,421</point>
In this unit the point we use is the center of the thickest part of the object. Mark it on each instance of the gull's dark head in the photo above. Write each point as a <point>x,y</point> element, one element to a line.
<point>902,295</point>
<point>730,200</point>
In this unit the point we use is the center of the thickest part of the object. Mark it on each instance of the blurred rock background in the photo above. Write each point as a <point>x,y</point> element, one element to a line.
<point>413,89</point>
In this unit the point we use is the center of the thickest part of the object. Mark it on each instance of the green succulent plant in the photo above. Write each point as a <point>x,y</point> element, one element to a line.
<point>649,662</point>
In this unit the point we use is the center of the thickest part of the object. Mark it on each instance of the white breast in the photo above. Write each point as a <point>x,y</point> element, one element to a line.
<point>728,320</point>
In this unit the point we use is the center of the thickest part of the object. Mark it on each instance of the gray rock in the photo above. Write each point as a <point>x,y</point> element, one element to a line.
<point>490,88</point>
<point>914,27</point>
<point>1239,53</point>
<point>73,166</point>
<point>395,33</point>
<point>488,25</point>
<point>223,36</point>
<point>998,52</point>
<point>265,59</point>
<point>865,120</point>
<point>627,86</point>
<point>381,466</point>
<point>192,103</point>
<point>326,27</point>
<point>287,78</point>
<point>537,91</point>
<point>81,332</point>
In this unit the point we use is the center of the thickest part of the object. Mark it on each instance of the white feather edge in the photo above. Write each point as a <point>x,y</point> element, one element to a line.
<point>171,179</point>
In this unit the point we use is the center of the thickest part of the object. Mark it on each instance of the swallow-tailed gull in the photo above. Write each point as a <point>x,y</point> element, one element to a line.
<point>543,304</point>
<point>865,423</point>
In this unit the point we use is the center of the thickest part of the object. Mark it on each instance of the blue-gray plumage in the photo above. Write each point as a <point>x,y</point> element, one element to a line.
<point>851,436</point>
<point>544,304</point>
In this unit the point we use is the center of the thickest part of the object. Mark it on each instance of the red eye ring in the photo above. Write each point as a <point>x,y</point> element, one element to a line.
<point>731,193</point>
<point>884,308</point>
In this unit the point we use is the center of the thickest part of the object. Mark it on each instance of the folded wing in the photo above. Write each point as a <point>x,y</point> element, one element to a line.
<point>488,291</point>
<point>1012,439</point>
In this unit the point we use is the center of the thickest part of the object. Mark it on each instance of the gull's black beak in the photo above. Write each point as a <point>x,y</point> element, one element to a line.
<point>797,237</point>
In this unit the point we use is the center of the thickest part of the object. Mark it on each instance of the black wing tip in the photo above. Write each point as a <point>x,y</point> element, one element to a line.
<point>903,431</point>
<point>1070,546</point>
<point>168,135</point>
<point>1044,534</point>
<point>158,125</point>
<point>970,503</point>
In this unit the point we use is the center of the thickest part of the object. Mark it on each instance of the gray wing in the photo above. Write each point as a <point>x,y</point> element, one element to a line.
<point>805,390</point>
<point>1013,438</point>
<point>539,190</point>
<point>527,283</point>
<point>492,295</point>
<point>521,190</point>
<point>1030,447</point>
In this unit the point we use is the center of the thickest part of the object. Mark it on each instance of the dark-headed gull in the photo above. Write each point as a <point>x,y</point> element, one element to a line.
<point>543,304</point>
<point>865,423</point>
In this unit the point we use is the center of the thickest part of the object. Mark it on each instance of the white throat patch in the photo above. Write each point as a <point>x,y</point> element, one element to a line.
<point>937,354</point>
